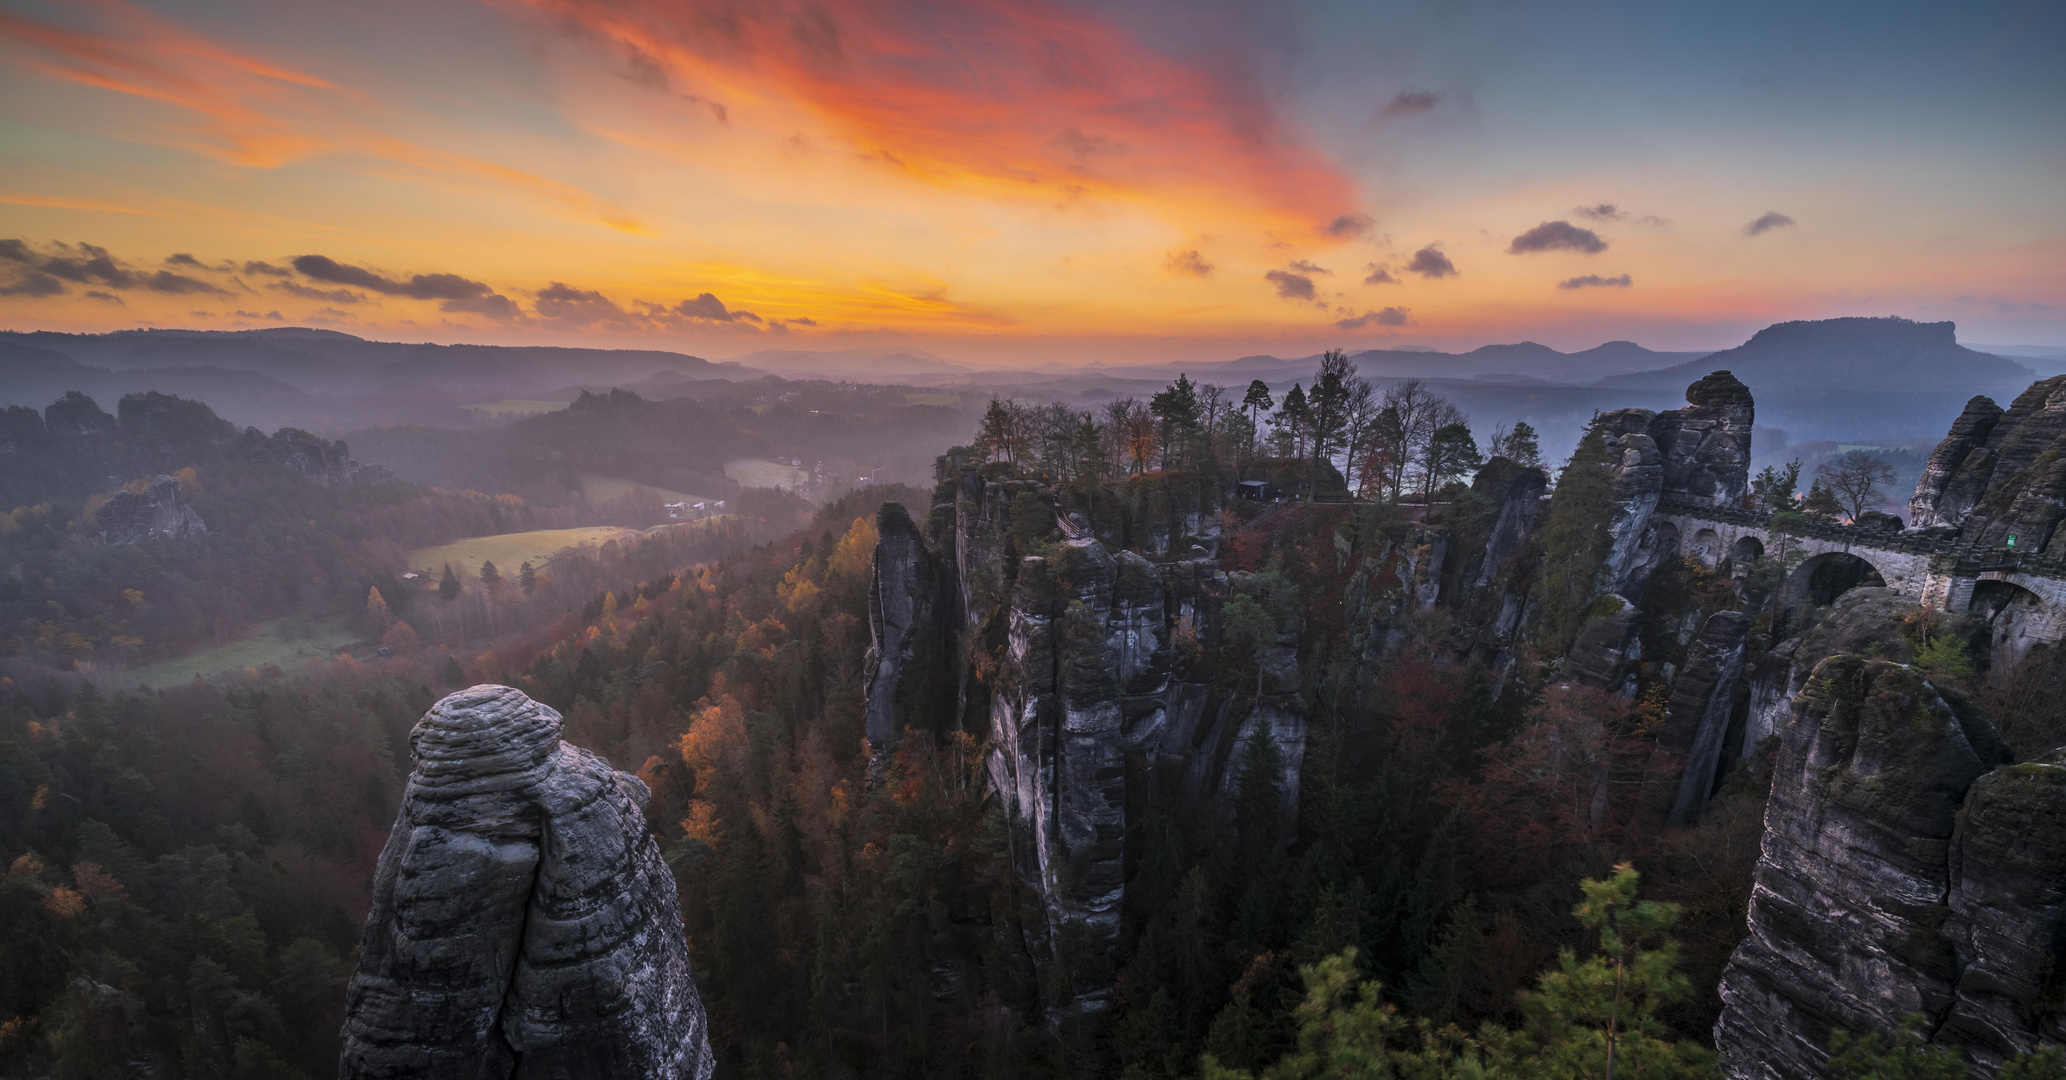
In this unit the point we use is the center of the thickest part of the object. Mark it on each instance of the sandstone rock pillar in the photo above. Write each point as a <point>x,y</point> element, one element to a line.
<point>523,922</point>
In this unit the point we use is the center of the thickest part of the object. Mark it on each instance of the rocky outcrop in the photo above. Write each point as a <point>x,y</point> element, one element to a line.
<point>1998,473</point>
<point>327,463</point>
<point>1696,720</point>
<point>902,601</point>
<point>157,512</point>
<point>1849,906</point>
<point>1706,445</point>
<point>1092,645</point>
<point>523,922</point>
<point>1638,470</point>
<point>2008,913</point>
<point>1516,490</point>
<point>1861,620</point>
<point>1609,649</point>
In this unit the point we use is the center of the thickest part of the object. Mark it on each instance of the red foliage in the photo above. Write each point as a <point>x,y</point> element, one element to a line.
<point>1581,773</point>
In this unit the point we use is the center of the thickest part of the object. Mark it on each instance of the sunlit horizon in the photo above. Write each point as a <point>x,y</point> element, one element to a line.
<point>1029,183</point>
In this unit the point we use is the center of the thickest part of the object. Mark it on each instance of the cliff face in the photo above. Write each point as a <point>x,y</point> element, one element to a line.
<point>1089,641</point>
<point>156,512</point>
<point>1999,473</point>
<point>1849,909</point>
<point>523,922</point>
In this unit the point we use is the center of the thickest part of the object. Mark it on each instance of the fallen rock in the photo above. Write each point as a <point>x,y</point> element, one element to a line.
<point>523,922</point>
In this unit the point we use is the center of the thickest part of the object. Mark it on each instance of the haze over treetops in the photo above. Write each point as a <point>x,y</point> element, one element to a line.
<point>1031,181</point>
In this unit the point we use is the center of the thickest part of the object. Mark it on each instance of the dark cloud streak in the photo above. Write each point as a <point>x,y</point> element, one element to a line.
<point>1557,236</point>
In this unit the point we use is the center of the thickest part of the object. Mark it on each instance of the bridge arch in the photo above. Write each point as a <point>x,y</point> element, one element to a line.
<point>1747,549</point>
<point>1820,579</point>
<point>1707,547</point>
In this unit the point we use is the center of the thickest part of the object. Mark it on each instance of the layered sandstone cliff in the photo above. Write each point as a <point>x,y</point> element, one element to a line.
<point>523,921</point>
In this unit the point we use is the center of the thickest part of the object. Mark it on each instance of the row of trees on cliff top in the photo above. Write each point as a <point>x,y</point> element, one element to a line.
<point>1402,441</point>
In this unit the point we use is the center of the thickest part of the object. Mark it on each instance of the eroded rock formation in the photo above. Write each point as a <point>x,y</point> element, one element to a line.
<point>902,600</point>
<point>1976,474</point>
<point>156,512</point>
<point>1696,720</point>
<point>523,922</point>
<point>1110,688</point>
<point>1849,908</point>
<point>326,462</point>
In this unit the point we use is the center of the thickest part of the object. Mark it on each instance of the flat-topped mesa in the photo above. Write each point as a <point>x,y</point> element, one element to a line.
<point>523,922</point>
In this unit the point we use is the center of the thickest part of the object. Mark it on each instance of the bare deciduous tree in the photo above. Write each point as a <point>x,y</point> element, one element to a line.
<point>1856,479</point>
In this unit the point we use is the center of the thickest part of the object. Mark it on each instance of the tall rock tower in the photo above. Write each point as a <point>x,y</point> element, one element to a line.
<point>523,923</point>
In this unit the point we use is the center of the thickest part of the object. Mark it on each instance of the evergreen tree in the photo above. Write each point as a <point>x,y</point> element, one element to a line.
<point>1519,445</point>
<point>1257,401</point>
<point>527,575</point>
<point>1176,409</point>
<point>1575,539</point>
<point>1773,488</point>
<point>1822,503</point>
<point>448,586</point>
<point>491,577</point>
<point>1451,454</point>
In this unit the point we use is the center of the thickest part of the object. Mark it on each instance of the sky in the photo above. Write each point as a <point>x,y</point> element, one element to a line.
<point>1033,181</point>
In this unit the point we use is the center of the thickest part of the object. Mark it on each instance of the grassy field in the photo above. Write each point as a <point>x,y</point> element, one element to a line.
<point>760,472</point>
<point>937,397</point>
<point>604,488</point>
<point>517,407</point>
<point>509,550</point>
<point>286,641</point>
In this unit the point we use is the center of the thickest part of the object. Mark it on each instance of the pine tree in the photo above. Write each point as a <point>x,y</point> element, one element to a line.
<point>491,577</point>
<point>1520,446</point>
<point>527,576</point>
<point>1256,400</point>
<point>448,586</point>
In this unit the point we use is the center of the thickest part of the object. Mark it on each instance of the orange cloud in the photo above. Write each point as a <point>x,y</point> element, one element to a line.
<point>255,113</point>
<point>1001,96</point>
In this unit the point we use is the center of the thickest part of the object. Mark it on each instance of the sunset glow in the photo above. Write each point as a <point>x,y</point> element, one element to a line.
<point>1037,181</point>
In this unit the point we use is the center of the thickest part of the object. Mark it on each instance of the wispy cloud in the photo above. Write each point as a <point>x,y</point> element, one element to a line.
<point>251,112</point>
<point>1034,96</point>
<point>1391,316</point>
<point>1409,103</point>
<point>1188,261</point>
<point>1592,281</point>
<point>1772,219</point>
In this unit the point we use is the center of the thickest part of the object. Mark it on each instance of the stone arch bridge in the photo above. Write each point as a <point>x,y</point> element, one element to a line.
<point>2022,592</point>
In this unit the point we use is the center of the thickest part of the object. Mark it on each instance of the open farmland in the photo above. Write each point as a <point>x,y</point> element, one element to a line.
<point>287,642</point>
<point>760,472</point>
<point>510,550</point>
<point>518,407</point>
<point>601,489</point>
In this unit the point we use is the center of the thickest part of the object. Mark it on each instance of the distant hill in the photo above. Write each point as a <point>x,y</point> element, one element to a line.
<point>1523,361</point>
<point>320,379</point>
<point>1851,378</point>
<point>325,361</point>
<point>862,363</point>
<point>1852,352</point>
